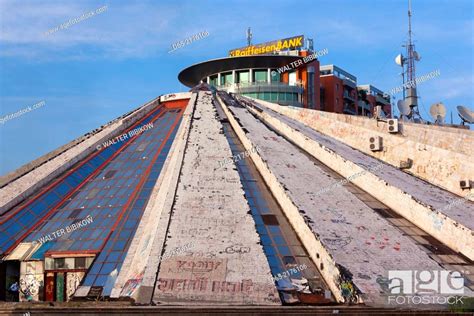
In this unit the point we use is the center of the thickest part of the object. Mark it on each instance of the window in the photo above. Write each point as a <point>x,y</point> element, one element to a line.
<point>213,80</point>
<point>292,78</point>
<point>48,263</point>
<point>337,87</point>
<point>275,76</point>
<point>59,263</point>
<point>310,89</point>
<point>260,75</point>
<point>226,78</point>
<point>80,263</point>
<point>243,76</point>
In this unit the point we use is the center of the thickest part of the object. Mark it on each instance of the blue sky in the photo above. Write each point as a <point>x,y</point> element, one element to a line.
<point>115,61</point>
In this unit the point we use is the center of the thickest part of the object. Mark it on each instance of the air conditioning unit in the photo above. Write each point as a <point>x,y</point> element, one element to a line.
<point>393,126</point>
<point>466,184</point>
<point>375,143</point>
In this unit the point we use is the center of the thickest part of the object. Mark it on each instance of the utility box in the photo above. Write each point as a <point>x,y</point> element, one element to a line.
<point>393,126</point>
<point>376,143</point>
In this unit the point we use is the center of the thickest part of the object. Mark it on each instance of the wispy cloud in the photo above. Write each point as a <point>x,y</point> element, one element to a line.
<point>124,30</point>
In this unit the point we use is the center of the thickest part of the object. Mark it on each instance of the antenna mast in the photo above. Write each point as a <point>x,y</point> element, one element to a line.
<point>249,36</point>
<point>409,92</point>
<point>410,51</point>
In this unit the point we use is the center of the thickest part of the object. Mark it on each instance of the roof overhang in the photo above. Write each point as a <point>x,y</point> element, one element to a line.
<point>192,75</point>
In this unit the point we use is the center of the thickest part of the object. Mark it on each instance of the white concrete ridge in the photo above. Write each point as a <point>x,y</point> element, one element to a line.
<point>441,155</point>
<point>210,209</point>
<point>425,205</point>
<point>355,235</point>
<point>142,259</point>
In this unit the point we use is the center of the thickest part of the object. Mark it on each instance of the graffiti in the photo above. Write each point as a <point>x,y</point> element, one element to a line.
<point>210,286</point>
<point>339,218</point>
<point>337,243</point>
<point>73,279</point>
<point>198,266</point>
<point>29,286</point>
<point>237,249</point>
<point>437,222</point>
<point>383,243</point>
<point>383,282</point>
<point>202,254</point>
<point>195,232</point>
<point>131,285</point>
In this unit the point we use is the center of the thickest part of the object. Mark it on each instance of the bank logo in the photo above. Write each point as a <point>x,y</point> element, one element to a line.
<point>406,282</point>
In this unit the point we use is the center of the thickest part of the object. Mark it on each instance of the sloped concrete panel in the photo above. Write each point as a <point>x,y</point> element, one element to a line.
<point>359,239</point>
<point>211,212</point>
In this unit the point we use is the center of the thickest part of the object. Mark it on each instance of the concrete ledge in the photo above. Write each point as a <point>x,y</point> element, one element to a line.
<point>314,247</point>
<point>453,234</point>
<point>32,177</point>
<point>441,155</point>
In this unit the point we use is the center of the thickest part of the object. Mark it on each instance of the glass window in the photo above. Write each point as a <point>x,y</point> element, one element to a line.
<point>226,78</point>
<point>266,96</point>
<point>48,263</point>
<point>243,76</point>
<point>213,80</point>
<point>80,263</point>
<point>275,76</point>
<point>292,78</point>
<point>59,263</point>
<point>260,75</point>
<point>69,263</point>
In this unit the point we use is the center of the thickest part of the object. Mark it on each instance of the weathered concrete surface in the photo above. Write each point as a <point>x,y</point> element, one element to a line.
<point>313,245</point>
<point>438,212</point>
<point>31,177</point>
<point>138,273</point>
<point>210,210</point>
<point>441,155</point>
<point>356,236</point>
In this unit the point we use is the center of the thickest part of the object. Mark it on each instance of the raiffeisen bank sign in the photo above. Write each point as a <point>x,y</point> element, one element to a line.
<point>269,47</point>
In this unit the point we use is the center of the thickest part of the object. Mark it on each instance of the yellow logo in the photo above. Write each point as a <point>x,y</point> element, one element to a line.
<point>269,47</point>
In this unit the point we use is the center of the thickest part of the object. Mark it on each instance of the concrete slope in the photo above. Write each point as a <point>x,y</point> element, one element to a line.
<point>440,213</point>
<point>421,190</point>
<point>211,214</point>
<point>359,239</point>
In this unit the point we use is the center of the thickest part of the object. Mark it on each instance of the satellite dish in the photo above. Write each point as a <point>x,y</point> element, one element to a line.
<point>466,115</point>
<point>404,108</point>
<point>438,112</point>
<point>416,55</point>
<point>399,60</point>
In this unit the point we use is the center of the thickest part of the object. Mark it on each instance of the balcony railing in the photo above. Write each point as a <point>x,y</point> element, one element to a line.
<point>347,95</point>
<point>382,100</point>
<point>248,87</point>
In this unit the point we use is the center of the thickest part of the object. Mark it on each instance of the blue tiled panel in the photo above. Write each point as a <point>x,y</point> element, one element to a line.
<point>112,255</point>
<point>274,244</point>
<point>25,217</point>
